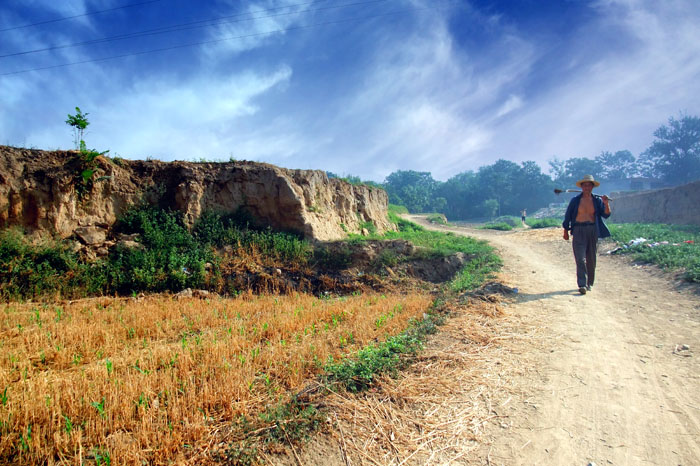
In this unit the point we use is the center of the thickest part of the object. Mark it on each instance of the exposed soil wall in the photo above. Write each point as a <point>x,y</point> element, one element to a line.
<point>41,190</point>
<point>679,205</point>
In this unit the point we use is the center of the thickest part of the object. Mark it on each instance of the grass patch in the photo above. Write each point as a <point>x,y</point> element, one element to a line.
<point>397,209</point>
<point>676,255</point>
<point>543,222</point>
<point>476,272</point>
<point>502,226</point>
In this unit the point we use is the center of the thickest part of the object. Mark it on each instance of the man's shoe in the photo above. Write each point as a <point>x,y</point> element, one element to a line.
<point>588,287</point>
<point>582,290</point>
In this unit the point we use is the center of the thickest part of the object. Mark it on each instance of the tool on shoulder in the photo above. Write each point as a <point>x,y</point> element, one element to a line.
<point>559,191</point>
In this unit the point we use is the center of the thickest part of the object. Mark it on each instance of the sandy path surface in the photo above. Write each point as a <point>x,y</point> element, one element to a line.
<point>606,380</point>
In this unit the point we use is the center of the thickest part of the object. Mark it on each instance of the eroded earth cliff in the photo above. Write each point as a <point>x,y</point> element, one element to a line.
<point>44,191</point>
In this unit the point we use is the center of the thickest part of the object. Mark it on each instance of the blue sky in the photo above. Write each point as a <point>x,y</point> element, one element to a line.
<point>356,87</point>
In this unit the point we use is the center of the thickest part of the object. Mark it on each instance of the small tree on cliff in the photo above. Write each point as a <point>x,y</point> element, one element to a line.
<point>79,122</point>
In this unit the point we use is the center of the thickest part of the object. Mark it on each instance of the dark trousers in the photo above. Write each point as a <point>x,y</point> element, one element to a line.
<point>585,244</point>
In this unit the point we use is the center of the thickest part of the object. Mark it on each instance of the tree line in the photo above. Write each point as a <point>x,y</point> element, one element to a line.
<point>505,187</point>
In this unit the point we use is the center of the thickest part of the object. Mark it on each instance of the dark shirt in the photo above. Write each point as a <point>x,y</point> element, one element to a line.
<point>572,211</point>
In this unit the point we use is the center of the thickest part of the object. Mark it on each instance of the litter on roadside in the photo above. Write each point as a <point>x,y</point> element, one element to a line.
<point>646,242</point>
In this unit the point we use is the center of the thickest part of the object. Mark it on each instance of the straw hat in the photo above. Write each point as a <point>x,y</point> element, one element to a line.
<point>587,179</point>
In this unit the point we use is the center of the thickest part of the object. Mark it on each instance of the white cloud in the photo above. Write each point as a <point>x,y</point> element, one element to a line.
<point>513,103</point>
<point>430,102</point>
<point>262,23</point>
<point>197,118</point>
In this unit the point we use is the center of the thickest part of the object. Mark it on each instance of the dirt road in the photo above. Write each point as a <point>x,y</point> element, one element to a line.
<point>547,378</point>
<point>609,380</point>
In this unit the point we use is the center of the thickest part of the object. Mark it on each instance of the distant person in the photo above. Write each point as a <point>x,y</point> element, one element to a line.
<point>523,215</point>
<point>584,218</point>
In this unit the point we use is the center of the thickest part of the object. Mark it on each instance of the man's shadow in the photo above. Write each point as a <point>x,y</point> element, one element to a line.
<point>527,297</point>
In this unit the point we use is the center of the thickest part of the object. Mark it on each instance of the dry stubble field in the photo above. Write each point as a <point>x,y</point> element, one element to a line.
<point>155,380</point>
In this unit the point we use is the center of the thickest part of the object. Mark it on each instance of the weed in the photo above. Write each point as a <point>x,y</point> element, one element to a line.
<point>291,421</point>
<point>24,439</point>
<point>100,407</point>
<point>243,453</point>
<point>68,424</point>
<point>357,372</point>
<point>102,457</point>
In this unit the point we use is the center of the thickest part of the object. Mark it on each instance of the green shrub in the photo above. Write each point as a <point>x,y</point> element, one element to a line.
<point>386,258</point>
<point>171,259</point>
<point>29,270</point>
<point>240,229</point>
<point>338,258</point>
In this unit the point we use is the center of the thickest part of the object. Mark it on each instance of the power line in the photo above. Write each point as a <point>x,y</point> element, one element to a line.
<point>65,18</point>
<point>187,26</point>
<point>213,41</point>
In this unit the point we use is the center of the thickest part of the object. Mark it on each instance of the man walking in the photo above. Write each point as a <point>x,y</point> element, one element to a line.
<point>584,218</point>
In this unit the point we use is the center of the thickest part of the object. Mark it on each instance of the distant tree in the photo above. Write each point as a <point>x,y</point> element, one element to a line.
<point>576,167</point>
<point>508,186</point>
<point>512,187</point>
<point>557,168</point>
<point>617,166</point>
<point>491,207</point>
<point>439,204</point>
<point>674,156</point>
<point>461,193</point>
<point>412,189</point>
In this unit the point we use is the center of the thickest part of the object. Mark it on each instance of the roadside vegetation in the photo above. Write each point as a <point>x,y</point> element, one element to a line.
<point>483,261</point>
<point>507,223</point>
<point>675,247</point>
<point>170,257</point>
<point>501,226</point>
<point>543,222</point>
